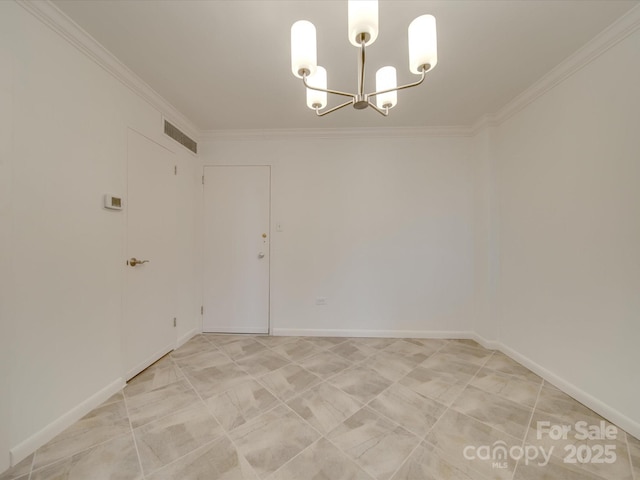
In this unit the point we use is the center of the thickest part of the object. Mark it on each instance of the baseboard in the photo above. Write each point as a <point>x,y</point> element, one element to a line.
<point>256,331</point>
<point>614,416</point>
<point>304,332</point>
<point>148,362</point>
<point>186,337</point>
<point>35,441</point>
<point>489,344</point>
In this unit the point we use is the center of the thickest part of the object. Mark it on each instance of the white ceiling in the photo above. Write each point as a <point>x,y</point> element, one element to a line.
<point>226,64</point>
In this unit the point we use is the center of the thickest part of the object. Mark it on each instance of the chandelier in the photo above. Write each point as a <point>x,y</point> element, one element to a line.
<point>363,31</point>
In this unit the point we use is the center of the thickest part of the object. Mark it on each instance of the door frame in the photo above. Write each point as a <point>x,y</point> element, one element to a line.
<point>270,233</point>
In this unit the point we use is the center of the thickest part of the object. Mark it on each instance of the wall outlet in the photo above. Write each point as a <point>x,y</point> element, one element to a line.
<point>321,300</point>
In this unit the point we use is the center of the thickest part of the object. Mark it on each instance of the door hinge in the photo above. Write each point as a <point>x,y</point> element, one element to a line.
<point>175,322</point>
<point>175,170</point>
<point>203,179</point>
<point>202,310</point>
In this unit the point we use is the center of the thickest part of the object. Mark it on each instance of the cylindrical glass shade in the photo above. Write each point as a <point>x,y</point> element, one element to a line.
<point>423,43</point>
<point>303,48</point>
<point>314,97</point>
<point>363,18</point>
<point>386,79</point>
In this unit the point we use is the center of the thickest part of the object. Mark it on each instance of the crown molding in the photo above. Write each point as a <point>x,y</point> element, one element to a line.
<point>59,22</point>
<point>296,133</point>
<point>609,37</point>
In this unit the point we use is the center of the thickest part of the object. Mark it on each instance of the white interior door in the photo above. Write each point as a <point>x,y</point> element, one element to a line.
<point>236,249</point>
<point>151,218</point>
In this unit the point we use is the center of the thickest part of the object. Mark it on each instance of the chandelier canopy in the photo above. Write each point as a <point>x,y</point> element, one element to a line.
<point>362,31</point>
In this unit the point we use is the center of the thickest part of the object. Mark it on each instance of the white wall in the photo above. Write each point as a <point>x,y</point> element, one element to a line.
<point>66,252</point>
<point>569,190</point>
<point>381,227</point>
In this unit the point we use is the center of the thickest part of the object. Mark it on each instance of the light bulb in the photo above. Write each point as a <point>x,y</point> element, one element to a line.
<point>386,79</point>
<point>314,97</point>
<point>303,48</point>
<point>363,18</point>
<point>423,43</point>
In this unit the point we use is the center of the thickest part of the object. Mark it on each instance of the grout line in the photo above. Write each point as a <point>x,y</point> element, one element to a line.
<point>84,450</point>
<point>33,462</point>
<point>225,434</point>
<point>135,442</point>
<point>424,438</point>
<point>526,433</point>
<point>626,439</point>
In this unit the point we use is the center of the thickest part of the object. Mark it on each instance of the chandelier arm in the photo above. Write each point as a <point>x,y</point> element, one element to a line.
<point>335,92</point>
<point>361,65</point>
<point>382,111</point>
<point>401,87</point>
<point>331,110</point>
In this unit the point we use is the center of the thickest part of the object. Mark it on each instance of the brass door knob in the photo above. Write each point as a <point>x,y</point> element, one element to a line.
<point>133,261</point>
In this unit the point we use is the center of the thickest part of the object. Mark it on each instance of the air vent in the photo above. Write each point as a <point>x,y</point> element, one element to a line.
<point>180,137</point>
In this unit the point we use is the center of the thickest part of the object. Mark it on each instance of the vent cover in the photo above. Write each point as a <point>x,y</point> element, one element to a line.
<point>180,137</point>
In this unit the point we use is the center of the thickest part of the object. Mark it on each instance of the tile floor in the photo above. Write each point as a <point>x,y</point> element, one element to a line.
<point>234,407</point>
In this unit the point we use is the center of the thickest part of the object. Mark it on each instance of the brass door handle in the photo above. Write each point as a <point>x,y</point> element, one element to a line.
<point>134,261</point>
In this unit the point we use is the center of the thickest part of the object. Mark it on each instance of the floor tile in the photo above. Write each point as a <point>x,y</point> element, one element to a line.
<point>218,339</point>
<point>218,460</point>
<point>426,463</point>
<point>297,350</point>
<point>264,362</point>
<point>326,342</point>
<point>502,414</point>
<point>376,444</point>
<point>511,387</point>
<point>502,363</point>
<point>463,352</point>
<point>321,461</point>
<point>353,351</point>
<point>392,366</point>
<point>165,440</point>
<point>197,344</point>
<point>272,439</point>
<point>272,341</point>
<point>241,403</point>
<point>356,408</point>
<point>374,342</point>
<point>324,406</point>
<point>409,349</point>
<point>361,383</point>
<point>429,345</point>
<point>553,401</point>
<point>156,376</point>
<point>242,348</point>
<point>205,359</point>
<point>561,448</point>
<point>114,459</point>
<point>22,468</point>
<point>325,364</point>
<point>555,469</point>
<point>289,381</point>
<point>438,383</point>
<point>214,380</point>
<point>116,397</point>
<point>149,406</point>
<point>411,410</point>
<point>455,434</point>
<point>634,453</point>
<point>102,424</point>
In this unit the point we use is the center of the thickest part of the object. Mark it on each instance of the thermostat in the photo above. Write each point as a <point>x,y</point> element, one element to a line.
<point>112,202</point>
